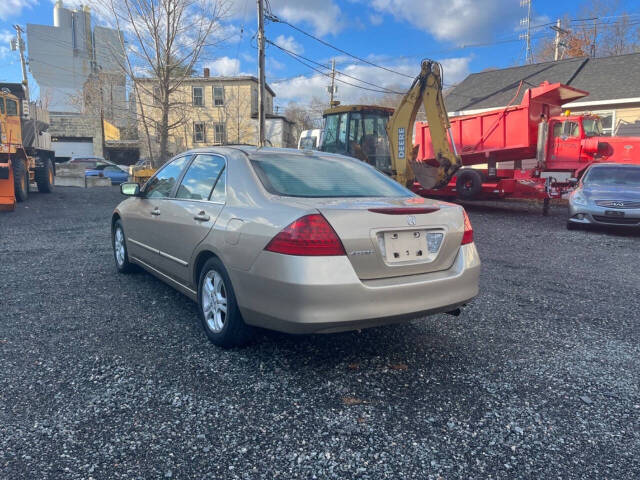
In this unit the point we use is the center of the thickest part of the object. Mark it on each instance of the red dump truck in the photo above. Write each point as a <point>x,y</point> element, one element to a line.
<point>528,150</point>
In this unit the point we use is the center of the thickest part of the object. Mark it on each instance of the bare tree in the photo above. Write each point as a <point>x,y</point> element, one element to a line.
<point>163,41</point>
<point>605,29</point>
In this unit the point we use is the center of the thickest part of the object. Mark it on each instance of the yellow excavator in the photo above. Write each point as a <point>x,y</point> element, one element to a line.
<point>383,136</point>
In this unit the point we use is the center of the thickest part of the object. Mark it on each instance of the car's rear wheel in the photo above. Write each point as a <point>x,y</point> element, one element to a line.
<point>218,308</point>
<point>120,249</point>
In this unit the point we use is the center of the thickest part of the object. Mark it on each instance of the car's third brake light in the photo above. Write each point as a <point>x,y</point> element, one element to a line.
<point>467,236</point>
<point>310,235</point>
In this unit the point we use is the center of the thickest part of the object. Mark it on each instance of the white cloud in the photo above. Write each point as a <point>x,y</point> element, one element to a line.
<point>376,19</point>
<point>5,38</point>
<point>224,66</point>
<point>13,8</point>
<point>324,16</point>
<point>458,21</point>
<point>304,88</point>
<point>289,43</point>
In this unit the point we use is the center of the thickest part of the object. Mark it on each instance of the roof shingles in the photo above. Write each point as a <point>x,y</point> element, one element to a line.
<point>606,78</point>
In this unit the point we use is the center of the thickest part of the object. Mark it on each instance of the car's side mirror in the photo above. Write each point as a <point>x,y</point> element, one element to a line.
<point>572,180</point>
<point>130,189</point>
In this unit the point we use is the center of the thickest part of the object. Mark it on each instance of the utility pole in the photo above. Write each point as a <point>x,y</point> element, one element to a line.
<point>527,22</point>
<point>260,73</point>
<point>595,34</point>
<point>557,43</point>
<point>23,62</point>
<point>19,45</point>
<point>332,89</point>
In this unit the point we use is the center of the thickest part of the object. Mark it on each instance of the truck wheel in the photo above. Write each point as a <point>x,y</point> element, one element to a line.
<point>468,184</point>
<point>20,179</point>
<point>44,177</point>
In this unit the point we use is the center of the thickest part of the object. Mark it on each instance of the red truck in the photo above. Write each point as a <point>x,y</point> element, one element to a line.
<point>528,150</point>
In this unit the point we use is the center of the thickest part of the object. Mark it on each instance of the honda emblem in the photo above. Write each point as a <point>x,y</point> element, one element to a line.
<point>411,220</point>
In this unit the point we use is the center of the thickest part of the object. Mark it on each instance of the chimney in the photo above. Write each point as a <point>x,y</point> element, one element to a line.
<point>206,72</point>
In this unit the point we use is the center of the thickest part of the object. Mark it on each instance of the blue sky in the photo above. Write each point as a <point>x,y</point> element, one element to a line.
<point>465,35</point>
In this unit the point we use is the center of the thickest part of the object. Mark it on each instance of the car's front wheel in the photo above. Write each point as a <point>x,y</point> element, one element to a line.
<point>218,307</point>
<point>120,249</point>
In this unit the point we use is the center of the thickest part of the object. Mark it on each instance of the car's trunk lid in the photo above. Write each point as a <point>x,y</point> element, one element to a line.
<point>389,237</point>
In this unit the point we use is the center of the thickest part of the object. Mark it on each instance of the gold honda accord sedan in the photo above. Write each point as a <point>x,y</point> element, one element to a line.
<point>295,241</point>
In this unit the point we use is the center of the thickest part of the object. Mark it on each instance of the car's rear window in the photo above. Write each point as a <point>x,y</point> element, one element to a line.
<point>323,176</point>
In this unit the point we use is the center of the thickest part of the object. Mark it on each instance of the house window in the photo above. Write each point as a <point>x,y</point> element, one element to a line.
<point>219,133</point>
<point>218,96</point>
<point>199,133</point>
<point>254,101</point>
<point>608,121</point>
<point>198,98</point>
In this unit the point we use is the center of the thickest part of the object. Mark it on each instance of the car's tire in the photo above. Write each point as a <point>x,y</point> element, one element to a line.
<point>468,184</point>
<point>20,179</point>
<point>45,177</point>
<point>120,254</point>
<point>218,308</point>
<point>572,225</point>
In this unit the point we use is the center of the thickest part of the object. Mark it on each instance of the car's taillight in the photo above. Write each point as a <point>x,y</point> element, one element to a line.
<point>467,236</point>
<point>310,235</point>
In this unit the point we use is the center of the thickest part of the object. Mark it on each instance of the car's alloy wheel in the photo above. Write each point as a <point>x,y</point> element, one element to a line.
<point>120,249</point>
<point>218,308</point>
<point>214,301</point>
<point>118,246</point>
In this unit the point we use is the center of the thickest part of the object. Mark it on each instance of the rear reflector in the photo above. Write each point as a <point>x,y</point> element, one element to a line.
<point>404,211</point>
<point>310,235</point>
<point>467,236</point>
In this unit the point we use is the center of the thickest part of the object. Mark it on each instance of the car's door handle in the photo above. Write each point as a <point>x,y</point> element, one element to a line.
<point>155,212</point>
<point>202,217</point>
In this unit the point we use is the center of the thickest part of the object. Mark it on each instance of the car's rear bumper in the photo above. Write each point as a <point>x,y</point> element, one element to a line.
<point>595,215</point>
<point>323,294</point>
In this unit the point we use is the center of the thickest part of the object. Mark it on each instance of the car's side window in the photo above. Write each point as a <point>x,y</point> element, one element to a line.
<point>219,193</point>
<point>201,177</point>
<point>162,184</point>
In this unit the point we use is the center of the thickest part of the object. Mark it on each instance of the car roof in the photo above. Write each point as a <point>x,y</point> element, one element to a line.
<point>613,164</point>
<point>251,150</point>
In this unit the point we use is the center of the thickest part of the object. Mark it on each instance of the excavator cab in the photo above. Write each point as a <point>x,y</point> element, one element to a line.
<point>359,131</point>
<point>383,137</point>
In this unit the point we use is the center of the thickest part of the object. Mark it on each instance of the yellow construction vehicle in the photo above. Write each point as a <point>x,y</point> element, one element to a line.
<point>383,136</point>
<point>21,158</point>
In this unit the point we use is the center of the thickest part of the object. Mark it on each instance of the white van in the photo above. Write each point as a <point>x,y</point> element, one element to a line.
<point>310,139</point>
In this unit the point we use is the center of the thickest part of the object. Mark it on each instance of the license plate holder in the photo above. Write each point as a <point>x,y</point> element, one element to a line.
<point>613,213</point>
<point>406,246</point>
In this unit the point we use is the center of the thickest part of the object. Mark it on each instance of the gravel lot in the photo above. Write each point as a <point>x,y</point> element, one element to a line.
<point>110,376</point>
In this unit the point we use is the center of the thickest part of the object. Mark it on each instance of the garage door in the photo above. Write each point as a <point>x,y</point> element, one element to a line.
<point>68,149</point>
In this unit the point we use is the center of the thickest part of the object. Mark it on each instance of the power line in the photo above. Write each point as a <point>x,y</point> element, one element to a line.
<point>324,66</point>
<point>275,19</point>
<point>329,75</point>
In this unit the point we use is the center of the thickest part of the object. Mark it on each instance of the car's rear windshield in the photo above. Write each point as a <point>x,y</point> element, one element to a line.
<point>323,177</point>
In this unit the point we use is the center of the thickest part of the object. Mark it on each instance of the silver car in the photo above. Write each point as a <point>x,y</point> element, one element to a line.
<point>607,194</point>
<point>296,241</point>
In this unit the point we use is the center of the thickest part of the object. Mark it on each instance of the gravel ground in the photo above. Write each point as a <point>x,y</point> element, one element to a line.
<point>110,376</point>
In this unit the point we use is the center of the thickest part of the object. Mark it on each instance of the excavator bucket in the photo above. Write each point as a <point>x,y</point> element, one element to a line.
<point>7,193</point>
<point>429,176</point>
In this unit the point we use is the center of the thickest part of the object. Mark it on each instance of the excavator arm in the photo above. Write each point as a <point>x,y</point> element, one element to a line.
<point>425,90</point>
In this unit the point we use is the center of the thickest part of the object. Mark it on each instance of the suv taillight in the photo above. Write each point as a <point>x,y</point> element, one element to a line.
<point>467,236</point>
<point>310,235</point>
